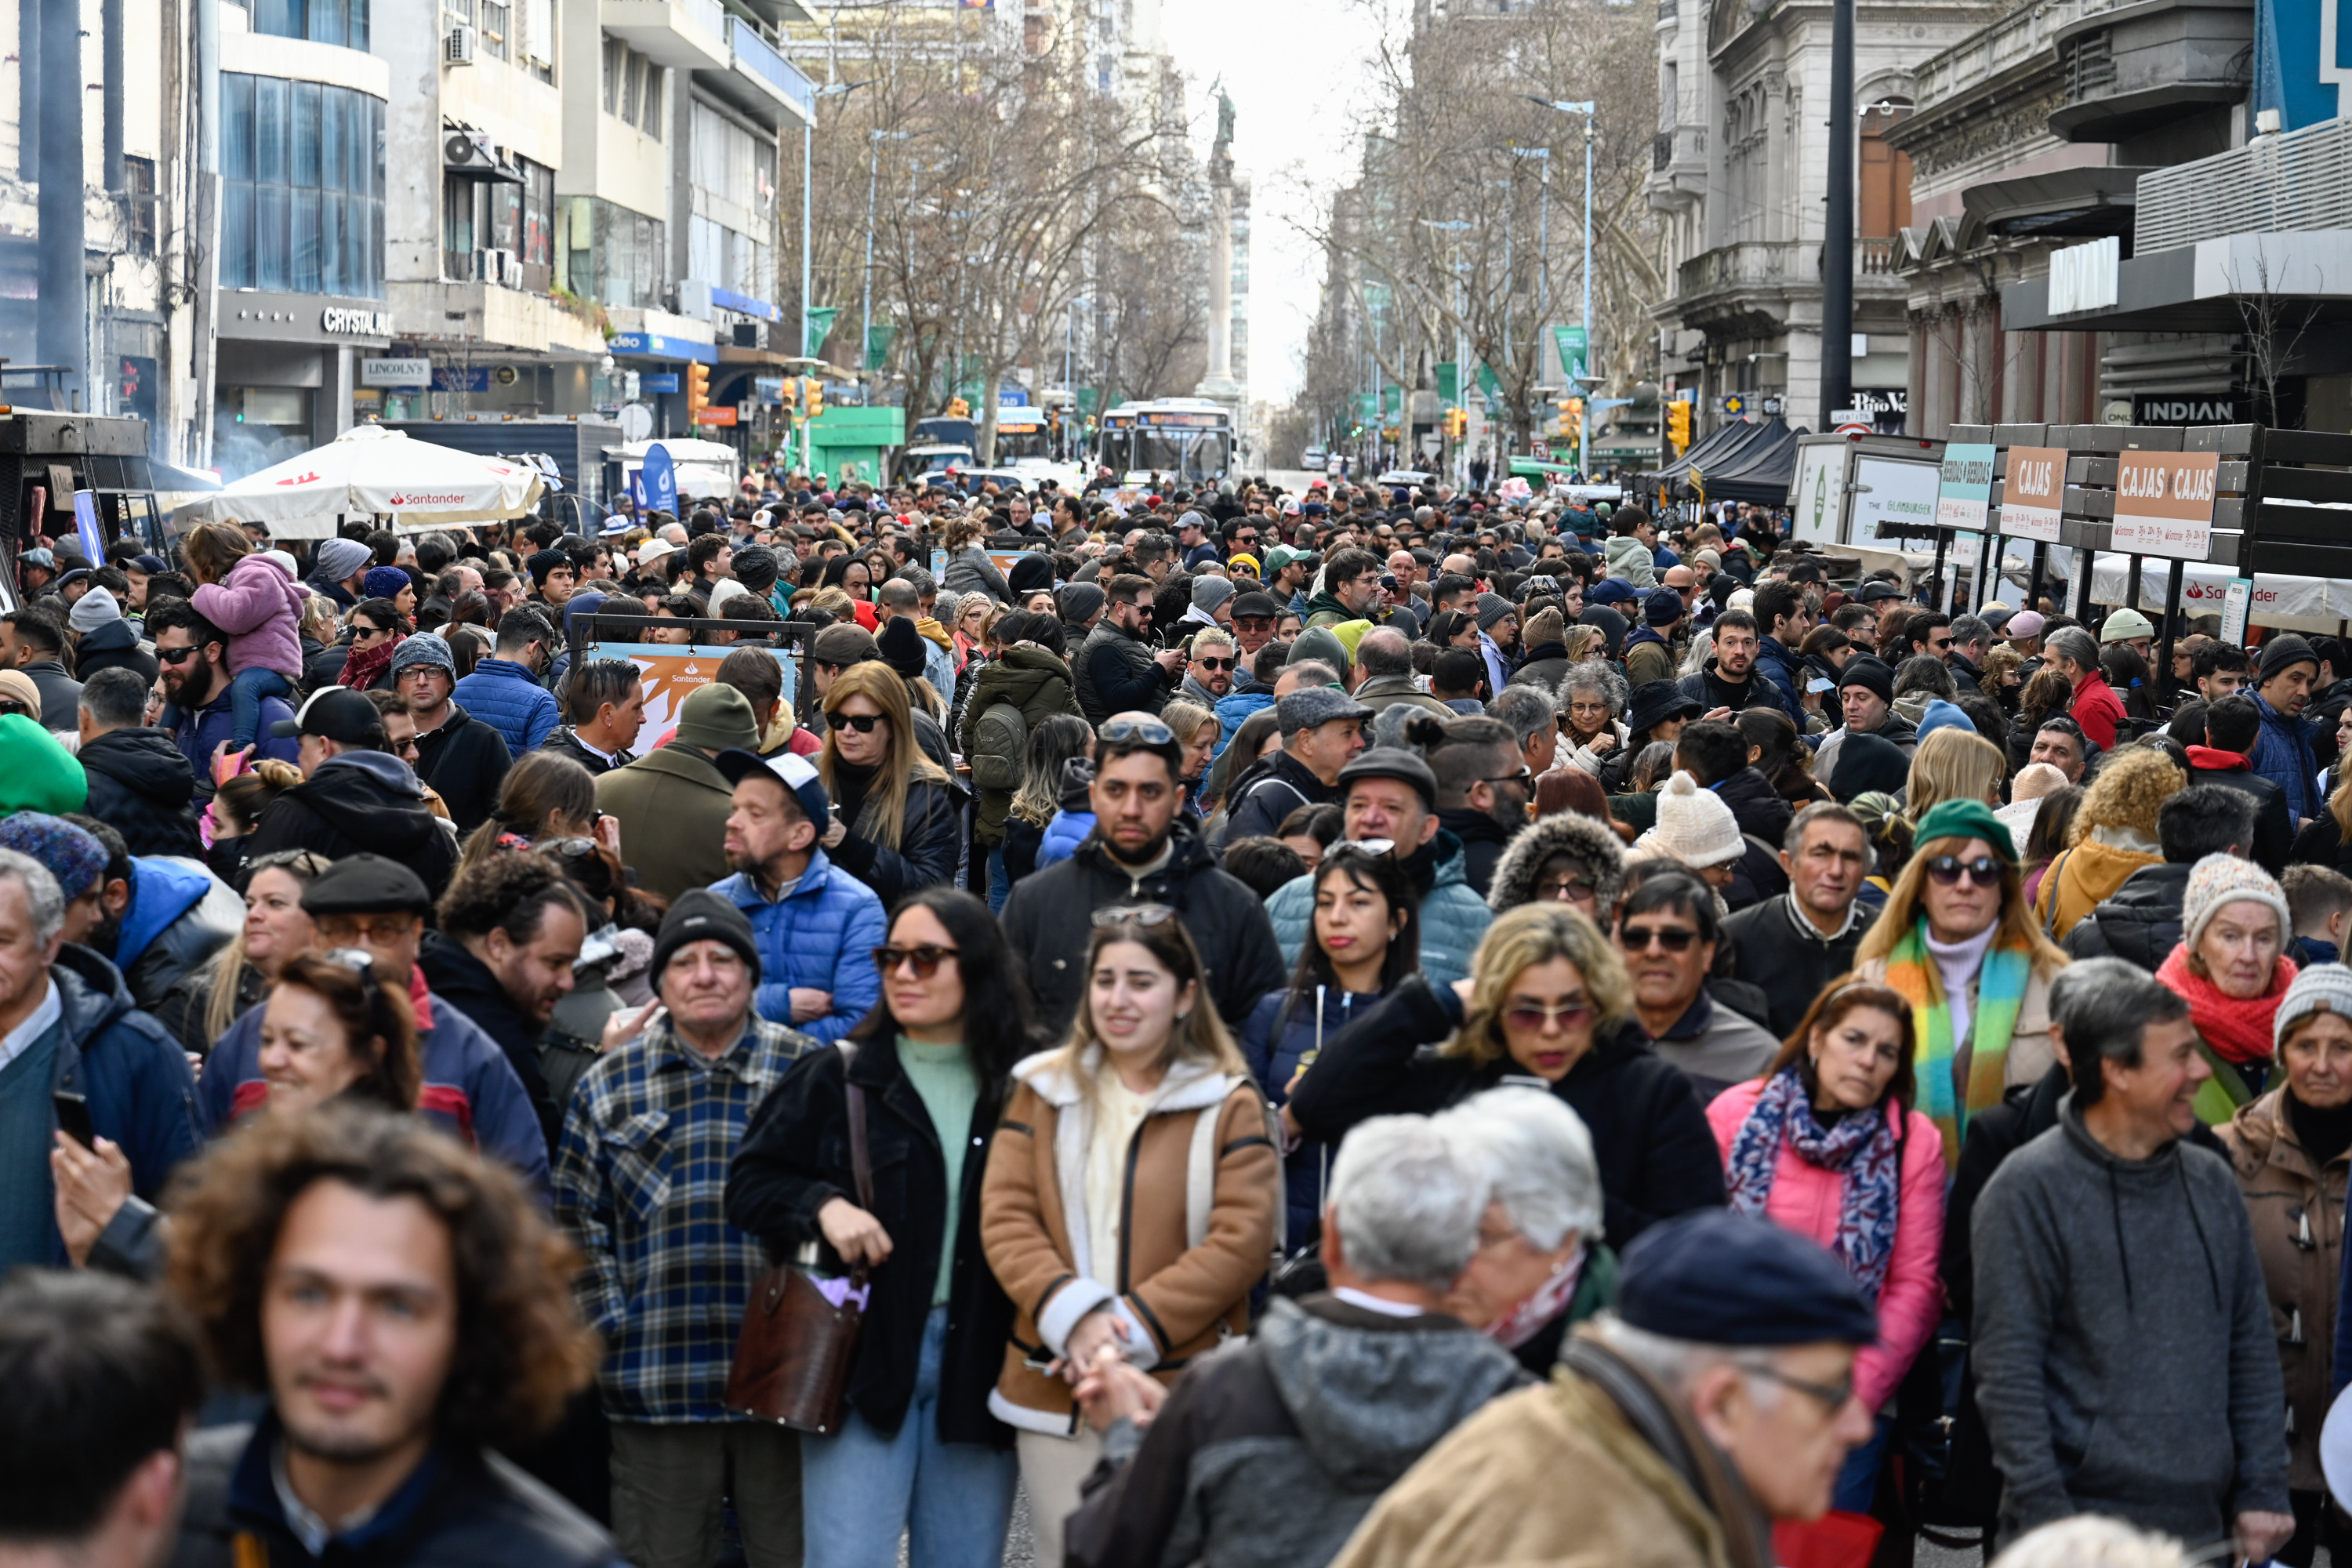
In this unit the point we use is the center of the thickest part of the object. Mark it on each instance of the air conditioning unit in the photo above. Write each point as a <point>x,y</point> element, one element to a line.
<point>461,151</point>
<point>458,45</point>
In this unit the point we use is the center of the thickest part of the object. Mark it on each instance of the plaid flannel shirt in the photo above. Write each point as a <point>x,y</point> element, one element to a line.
<point>641,1186</point>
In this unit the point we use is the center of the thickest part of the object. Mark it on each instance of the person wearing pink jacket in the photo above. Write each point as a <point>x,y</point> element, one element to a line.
<point>1826,1144</point>
<point>254,601</point>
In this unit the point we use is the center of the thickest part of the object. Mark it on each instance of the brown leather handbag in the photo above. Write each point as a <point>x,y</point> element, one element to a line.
<point>792,1357</point>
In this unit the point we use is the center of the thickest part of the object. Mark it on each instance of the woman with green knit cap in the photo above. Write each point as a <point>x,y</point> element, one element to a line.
<point>1959,942</point>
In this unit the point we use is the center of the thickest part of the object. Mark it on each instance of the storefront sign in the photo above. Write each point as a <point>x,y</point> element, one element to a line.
<point>719,413</point>
<point>652,345</point>
<point>345,322</point>
<point>2034,493</point>
<point>396,372</point>
<point>649,383</point>
<point>2176,408</point>
<point>2164,503</point>
<point>456,378</point>
<point>1965,487</point>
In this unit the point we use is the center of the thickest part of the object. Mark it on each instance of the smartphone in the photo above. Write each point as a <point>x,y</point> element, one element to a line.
<point>1818,684</point>
<point>73,1117</point>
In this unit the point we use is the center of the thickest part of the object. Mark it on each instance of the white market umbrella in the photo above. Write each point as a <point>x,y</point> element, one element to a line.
<point>369,471</point>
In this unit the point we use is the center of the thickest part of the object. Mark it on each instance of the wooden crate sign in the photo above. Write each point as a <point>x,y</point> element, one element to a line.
<point>2033,492</point>
<point>2164,503</point>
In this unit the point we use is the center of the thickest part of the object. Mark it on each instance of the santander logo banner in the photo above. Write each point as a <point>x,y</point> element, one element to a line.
<point>438,498</point>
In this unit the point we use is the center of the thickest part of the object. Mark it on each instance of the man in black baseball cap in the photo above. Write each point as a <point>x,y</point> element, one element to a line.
<point>356,797</point>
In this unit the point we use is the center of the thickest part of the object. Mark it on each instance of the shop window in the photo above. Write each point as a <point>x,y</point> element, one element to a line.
<point>302,187</point>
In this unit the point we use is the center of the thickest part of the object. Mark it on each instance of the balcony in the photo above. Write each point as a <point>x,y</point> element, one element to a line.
<point>758,80</point>
<point>2290,183</point>
<point>1677,165</point>
<point>1749,265</point>
<point>2140,68</point>
<point>687,34</point>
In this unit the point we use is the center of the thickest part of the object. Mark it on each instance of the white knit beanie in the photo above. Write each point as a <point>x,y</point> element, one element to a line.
<point>2324,987</point>
<point>2219,879</point>
<point>1694,825</point>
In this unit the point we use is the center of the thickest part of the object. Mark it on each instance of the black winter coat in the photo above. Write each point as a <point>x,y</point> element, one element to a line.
<point>1287,784</point>
<point>457,977</point>
<point>360,802</point>
<point>114,645</point>
<point>1115,673</point>
<point>930,839</point>
<point>140,785</point>
<point>564,743</point>
<point>478,1509</point>
<point>794,1159</point>
<point>1763,816</point>
<point>2140,923</point>
<point>1776,949</point>
<point>464,761</point>
<point>1483,839</point>
<point>2273,824</point>
<point>1050,918</point>
<point>1656,1154</point>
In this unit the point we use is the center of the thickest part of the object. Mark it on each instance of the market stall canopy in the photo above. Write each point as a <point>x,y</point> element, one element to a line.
<point>1740,462</point>
<point>371,471</point>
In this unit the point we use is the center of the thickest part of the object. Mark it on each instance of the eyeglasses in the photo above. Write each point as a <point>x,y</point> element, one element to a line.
<point>925,958</point>
<point>1149,731</point>
<point>862,722</point>
<point>1214,665</point>
<point>1984,871</point>
<point>1833,1395</point>
<point>1641,939</point>
<point>1530,1018</point>
<point>174,655</point>
<point>1567,889</point>
<point>1146,915</point>
<point>1525,776</point>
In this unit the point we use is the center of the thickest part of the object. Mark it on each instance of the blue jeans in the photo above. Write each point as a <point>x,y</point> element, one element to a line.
<point>999,887</point>
<point>1857,1483</point>
<point>859,1492</point>
<point>245,691</point>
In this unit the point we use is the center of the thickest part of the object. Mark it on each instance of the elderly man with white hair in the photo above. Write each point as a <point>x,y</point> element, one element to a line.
<point>1270,1452</point>
<point>1540,1267</point>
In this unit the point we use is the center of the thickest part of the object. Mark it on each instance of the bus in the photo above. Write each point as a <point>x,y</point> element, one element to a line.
<point>1186,439</point>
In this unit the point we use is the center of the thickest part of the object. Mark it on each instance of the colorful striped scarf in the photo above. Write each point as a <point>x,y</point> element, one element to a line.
<point>1912,974</point>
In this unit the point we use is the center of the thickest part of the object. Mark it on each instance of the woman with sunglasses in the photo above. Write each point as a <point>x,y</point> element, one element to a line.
<point>894,825</point>
<point>1131,1200</point>
<point>377,631</point>
<point>1826,1143</point>
<point>919,1453</point>
<point>1958,943</point>
<point>1366,935</point>
<point>1547,998</point>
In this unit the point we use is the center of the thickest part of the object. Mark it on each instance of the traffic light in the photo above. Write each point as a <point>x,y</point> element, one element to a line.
<point>1457,424</point>
<point>814,402</point>
<point>959,409</point>
<point>1678,424</point>
<point>789,396</point>
<point>697,390</point>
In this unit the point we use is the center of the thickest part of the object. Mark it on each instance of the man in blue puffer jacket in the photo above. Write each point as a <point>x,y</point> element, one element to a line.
<point>1390,793</point>
<point>816,926</point>
<point>2284,754</point>
<point>504,693</point>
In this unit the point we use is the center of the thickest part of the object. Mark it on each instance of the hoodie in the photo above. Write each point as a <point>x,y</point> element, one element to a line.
<point>114,645</point>
<point>360,802</point>
<point>2106,1268</point>
<point>140,787</point>
<point>1271,1453</point>
<point>1629,558</point>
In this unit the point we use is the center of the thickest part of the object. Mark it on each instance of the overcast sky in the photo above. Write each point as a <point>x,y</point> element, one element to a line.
<point>1295,70</point>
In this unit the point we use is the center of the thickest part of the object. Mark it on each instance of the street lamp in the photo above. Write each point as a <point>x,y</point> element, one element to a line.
<point>1587,109</point>
<point>808,184</point>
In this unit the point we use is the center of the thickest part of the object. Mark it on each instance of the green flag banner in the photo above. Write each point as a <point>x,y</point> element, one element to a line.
<point>820,327</point>
<point>1574,348</point>
<point>1392,405</point>
<point>1449,382</point>
<point>1490,387</point>
<point>1368,407</point>
<point>878,339</point>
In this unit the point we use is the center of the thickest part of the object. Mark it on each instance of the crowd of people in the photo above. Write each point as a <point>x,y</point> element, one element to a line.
<point>1371,1027</point>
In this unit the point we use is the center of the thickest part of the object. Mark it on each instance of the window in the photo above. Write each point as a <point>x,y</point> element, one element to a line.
<point>633,88</point>
<point>340,21</point>
<point>302,187</point>
<point>139,203</point>
<point>537,48</point>
<point>497,22</point>
<point>610,254</point>
<point>537,243</point>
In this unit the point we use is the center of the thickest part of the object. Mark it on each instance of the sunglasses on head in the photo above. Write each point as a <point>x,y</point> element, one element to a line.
<point>1146,915</point>
<point>1641,939</point>
<point>862,722</point>
<point>1150,731</point>
<point>1984,871</point>
<point>925,958</point>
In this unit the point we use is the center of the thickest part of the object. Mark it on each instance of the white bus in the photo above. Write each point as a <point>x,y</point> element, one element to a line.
<point>1178,439</point>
